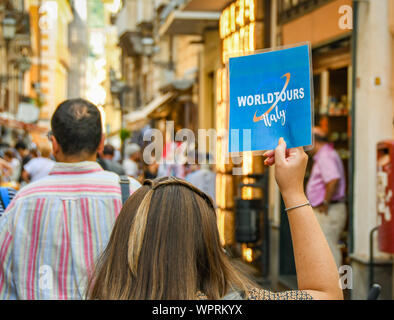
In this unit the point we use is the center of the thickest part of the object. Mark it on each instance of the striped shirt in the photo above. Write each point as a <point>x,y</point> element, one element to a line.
<point>54,230</point>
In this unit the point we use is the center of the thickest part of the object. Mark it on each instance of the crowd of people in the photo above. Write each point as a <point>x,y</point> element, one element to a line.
<point>201,175</point>
<point>71,234</point>
<point>22,165</point>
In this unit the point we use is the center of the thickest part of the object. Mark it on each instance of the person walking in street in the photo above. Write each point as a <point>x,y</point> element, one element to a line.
<point>131,163</point>
<point>55,228</point>
<point>106,160</point>
<point>38,167</point>
<point>13,174</point>
<point>165,244</point>
<point>203,177</point>
<point>326,191</point>
<point>150,169</point>
<point>24,156</point>
<point>5,169</point>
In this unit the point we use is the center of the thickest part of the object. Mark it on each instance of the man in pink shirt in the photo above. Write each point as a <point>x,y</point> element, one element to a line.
<point>326,191</point>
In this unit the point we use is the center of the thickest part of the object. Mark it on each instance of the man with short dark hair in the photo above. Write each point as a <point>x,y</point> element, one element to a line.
<point>22,149</point>
<point>55,228</point>
<point>107,162</point>
<point>109,151</point>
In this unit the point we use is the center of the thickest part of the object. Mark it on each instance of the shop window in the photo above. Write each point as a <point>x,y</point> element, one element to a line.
<point>338,103</point>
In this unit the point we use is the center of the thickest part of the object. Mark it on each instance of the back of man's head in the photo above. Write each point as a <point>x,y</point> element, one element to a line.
<point>109,150</point>
<point>20,145</point>
<point>76,125</point>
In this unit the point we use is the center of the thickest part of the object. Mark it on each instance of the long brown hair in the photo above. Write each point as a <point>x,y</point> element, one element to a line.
<point>165,245</point>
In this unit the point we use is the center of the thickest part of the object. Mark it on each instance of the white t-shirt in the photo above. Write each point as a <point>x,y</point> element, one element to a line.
<point>130,167</point>
<point>16,168</point>
<point>205,180</point>
<point>38,168</point>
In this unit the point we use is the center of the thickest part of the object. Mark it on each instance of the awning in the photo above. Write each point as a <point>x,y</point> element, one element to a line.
<point>189,22</point>
<point>138,119</point>
<point>206,5</point>
<point>10,122</point>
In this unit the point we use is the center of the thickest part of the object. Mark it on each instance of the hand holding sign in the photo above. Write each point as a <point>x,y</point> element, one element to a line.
<point>290,166</point>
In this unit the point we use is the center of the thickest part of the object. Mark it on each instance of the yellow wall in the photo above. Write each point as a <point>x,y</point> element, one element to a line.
<point>54,55</point>
<point>62,53</point>
<point>209,63</point>
<point>185,54</point>
<point>113,52</point>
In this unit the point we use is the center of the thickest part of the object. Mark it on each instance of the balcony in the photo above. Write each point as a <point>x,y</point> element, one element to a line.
<point>139,42</point>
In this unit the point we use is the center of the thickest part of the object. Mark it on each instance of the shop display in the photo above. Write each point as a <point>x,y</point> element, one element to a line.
<point>338,108</point>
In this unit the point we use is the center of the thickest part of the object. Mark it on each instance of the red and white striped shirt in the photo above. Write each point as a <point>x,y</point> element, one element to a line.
<point>54,230</point>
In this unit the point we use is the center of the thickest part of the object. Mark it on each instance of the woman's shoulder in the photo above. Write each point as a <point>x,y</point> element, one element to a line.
<point>262,294</point>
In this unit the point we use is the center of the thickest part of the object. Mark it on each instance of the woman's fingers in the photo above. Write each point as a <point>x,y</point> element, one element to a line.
<point>280,151</point>
<point>287,154</point>
<point>269,153</point>
<point>269,161</point>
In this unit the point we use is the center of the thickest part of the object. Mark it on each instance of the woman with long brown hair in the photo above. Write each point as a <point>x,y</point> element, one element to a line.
<point>165,244</point>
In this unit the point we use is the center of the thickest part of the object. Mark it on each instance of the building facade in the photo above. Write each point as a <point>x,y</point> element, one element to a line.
<point>16,51</point>
<point>51,55</point>
<point>78,46</point>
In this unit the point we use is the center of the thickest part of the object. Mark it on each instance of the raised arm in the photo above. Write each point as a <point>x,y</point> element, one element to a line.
<point>316,269</point>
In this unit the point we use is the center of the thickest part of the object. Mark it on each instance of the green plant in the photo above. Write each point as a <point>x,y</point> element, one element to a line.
<point>124,134</point>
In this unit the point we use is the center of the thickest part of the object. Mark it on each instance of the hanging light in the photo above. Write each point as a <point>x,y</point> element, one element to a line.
<point>9,28</point>
<point>148,45</point>
<point>24,64</point>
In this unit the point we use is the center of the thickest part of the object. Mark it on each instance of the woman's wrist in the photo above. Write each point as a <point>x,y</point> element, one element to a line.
<point>293,199</point>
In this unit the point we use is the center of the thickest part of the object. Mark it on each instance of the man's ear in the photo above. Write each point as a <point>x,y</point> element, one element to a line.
<point>55,146</point>
<point>100,148</point>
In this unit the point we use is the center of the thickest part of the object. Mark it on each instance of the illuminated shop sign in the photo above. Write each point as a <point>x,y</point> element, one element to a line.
<point>237,27</point>
<point>241,32</point>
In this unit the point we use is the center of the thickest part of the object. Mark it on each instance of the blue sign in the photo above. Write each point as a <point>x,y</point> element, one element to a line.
<point>270,97</point>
